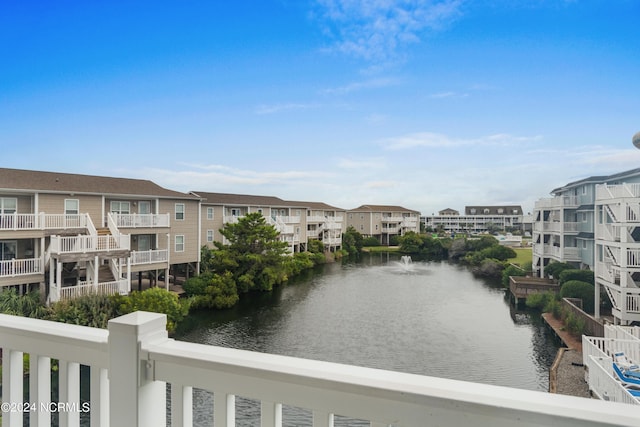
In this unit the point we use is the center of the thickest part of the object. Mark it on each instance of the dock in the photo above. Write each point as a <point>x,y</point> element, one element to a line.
<point>523,286</point>
<point>566,375</point>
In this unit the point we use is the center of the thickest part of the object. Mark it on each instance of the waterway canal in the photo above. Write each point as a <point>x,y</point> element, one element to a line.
<point>428,318</point>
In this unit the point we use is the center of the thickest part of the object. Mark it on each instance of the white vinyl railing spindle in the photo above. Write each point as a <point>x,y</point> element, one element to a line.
<point>270,414</point>
<point>39,389</point>
<point>322,419</point>
<point>99,397</point>
<point>12,388</point>
<point>181,405</point>
<point>224,409</point>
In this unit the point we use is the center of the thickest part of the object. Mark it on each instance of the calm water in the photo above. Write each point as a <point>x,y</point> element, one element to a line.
<point>430,318</point>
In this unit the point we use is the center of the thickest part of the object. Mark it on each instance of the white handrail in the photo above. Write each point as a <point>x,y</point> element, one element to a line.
<point>132,361</point>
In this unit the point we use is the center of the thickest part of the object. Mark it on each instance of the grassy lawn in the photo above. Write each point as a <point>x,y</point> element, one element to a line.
<point>380,249</point>
<point>525,255</point>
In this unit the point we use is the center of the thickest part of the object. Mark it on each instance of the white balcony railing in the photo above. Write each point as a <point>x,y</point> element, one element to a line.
<point>21,267</point>
<point>83,244</point>
<point>557,202</point>
<point>149,257</point>
<point>131,363</point>
<point>625,190</point>
<point>103,288</point>
<point>141,220</point>
<point>43,221</point>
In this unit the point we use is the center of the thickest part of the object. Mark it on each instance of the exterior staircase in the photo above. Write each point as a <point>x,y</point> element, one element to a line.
<point>105,274</point>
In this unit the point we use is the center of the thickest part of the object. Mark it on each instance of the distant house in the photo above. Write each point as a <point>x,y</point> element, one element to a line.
<point>383,222</point>
<point>69,234</point>
<point>476,219</point>
<point>448,212</point>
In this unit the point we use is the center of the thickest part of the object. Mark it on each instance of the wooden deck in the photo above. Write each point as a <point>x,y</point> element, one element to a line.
<point>521,287</point>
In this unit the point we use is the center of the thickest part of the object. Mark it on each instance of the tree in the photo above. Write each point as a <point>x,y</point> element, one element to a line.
<point>352,241</point>
<point>254,255</point>
<point>410,243</point>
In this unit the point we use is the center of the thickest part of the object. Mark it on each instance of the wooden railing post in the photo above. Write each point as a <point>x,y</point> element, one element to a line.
<point>135,398</point>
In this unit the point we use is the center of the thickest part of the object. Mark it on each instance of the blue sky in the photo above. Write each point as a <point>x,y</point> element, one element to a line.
<point>425,104</point>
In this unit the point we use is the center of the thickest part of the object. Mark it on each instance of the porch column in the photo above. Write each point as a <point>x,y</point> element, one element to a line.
<point>129,275</point>
<point>596,306</point>
<point>135,398</point>
<point>96,265</point>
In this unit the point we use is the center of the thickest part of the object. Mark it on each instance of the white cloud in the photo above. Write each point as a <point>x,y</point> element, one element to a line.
<point>277,108</point>
<point>376,30</point>
<point>443,95</point>
<point>358,86</point>
<point>429,139</point>
<point>362,164</point>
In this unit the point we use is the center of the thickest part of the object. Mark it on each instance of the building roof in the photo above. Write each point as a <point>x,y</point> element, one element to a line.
<point>319,206</point>
<point>493,210</point>
<point>243,200</point>
<point>448,211</point>
<point>381,208</point>
<point>598,179</point>
<point>58,182</point>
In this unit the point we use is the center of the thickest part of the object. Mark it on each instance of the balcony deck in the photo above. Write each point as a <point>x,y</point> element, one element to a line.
<point>132,361</point>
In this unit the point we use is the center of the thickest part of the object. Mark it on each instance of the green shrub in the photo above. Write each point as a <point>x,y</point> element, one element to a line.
<point>489,268</point>
<point>93,310</point>
<point>554,307</point>
<point>370,241</point>
<point>577,289</point>
<point>156,300</point>
<point>499,252</point>
<point>555,268</point>
<point>540,300</point>
<point>575,274</point>
<point>575,324</point>
<point>27,305</point>
<point>511,270</point>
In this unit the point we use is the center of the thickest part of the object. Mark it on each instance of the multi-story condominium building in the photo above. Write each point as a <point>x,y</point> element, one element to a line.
<point>325,223</point>
<point>563,226</point>
<point>68,234</point>
<point>217,209</point>
<point>383,222</point>
<point>476,219</point>
<point>594,223</point>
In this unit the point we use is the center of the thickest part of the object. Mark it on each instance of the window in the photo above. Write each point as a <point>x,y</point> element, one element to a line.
<point>209,236</point>
<point>123,208</point>
<point>179,211</point>
<point>486,211</point>
<point>297,212</point>
<point>584,189</point>
<point>515,211</point>
<point>361,216</point>
<point>180,243</point>
<point>235,212</point>
<point>584,244</point>
<point>144,208</point>
<point>500,211</point>
<point>209,213</point>
<point>259,210</point>
<point>8,205</point>
<point>71,207</point>
<point>350,216</point>
<point>8,250</point>
<point>472,211</point>
<point>361,227</point>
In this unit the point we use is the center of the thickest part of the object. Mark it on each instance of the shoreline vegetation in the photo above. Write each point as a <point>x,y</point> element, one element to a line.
<point>253,259</point>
